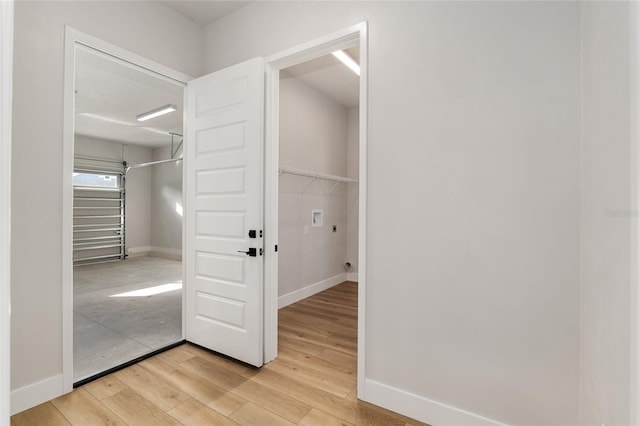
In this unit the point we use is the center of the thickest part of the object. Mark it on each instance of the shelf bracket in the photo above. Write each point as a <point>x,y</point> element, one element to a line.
<point>335,185</point>
<point>307,185</point>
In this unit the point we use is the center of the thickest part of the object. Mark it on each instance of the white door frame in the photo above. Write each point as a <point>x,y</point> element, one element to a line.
<point>74,38</point>
<point>6,83</point>
<point>324,45</point>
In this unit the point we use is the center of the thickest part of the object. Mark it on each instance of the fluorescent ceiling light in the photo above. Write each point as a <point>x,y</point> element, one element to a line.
<point>347,60</point>
<point>156,112</point>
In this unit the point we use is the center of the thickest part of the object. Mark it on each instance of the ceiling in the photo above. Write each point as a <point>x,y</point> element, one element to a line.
<point>111,93</point>
<point>205,12</point>
<point>331,77</point>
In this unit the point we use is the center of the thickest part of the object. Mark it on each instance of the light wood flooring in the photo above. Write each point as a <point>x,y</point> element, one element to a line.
<point>312,382</point>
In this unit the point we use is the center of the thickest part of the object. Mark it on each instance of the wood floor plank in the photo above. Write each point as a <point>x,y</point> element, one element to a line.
<point>337,386</point>
<point>131,407</point>
<point>314,319</point>
<point>80,407</point>
<point>195,413</point>
<point>353,395</point>
<point>104,387</point>
<point>151,387</point>
<point>198,388</point>
<point>43,414</point>
<point>251,414</point>
<point>312,348</point>
<point>324,314</point>
<point>334,299</point>
<point>289,408</point>
<point>340,358</point>
<point>176,355</point>
<point>337,343</point>
<point>359,413</point>
<point>317,323</point>
<point>229,364</point>
<point>320,418</point>
<point>326,308</point>
<point>319,363</point>
<point>293,328</point>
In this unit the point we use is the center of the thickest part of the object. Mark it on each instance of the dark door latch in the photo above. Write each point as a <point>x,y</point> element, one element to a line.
<point>252,252</point>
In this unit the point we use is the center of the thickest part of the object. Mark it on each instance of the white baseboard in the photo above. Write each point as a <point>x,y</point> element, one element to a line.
<point>352,276</point>
<point>166,253</point>
<point>310,290</point>
<point>138,251</point>
<point>36,393</point>
<point>421,408</point>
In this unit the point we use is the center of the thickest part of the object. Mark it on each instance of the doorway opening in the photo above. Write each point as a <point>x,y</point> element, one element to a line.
<point>337,178</point>
<point>318,176</point>
<point>127,213</point>
<point>318,212</point>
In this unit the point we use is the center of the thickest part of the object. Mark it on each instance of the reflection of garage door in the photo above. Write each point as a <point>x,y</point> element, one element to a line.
<point>98,216</point>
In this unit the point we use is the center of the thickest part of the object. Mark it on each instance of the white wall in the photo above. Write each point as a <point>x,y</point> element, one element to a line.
<point>606,215</point>
<point>138,208</point>
<point>353,152</point>
<point>6,65</point>
<point>474,195</point>
<point>146,28</point>
<point>138,186</point>
<point>313,136</point>
<point>166,196</point>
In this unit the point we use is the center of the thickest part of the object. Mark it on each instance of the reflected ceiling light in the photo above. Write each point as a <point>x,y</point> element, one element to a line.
<point>156,112</point>
<point>347,60</point>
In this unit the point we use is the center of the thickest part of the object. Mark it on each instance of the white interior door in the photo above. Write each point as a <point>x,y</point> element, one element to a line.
<point>224,199</point>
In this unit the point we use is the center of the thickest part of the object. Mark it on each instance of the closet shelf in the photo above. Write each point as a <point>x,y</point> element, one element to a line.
<point>315,175</point>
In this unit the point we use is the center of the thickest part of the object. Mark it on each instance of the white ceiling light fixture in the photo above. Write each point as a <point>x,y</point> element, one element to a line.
<point>347,60</point>
<point>156,112</point>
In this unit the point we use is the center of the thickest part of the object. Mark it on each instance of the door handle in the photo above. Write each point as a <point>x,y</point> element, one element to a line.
<point>252,252</point>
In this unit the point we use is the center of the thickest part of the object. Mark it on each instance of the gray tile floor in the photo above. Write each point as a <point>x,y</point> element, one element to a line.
<point>108,331</point>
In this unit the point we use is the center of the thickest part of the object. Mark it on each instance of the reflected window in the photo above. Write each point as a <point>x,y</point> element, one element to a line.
<point>96,180</point>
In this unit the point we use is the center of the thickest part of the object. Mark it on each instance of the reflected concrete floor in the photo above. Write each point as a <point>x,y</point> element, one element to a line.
<point>107,330</point>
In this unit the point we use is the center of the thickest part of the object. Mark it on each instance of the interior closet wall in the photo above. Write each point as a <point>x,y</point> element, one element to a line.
<point>138,207</point>
<point>166,205</point>
<point>313,136</point>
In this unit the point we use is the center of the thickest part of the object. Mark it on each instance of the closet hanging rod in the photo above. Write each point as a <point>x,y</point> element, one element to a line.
<point>150,163</point>
<point>301,172</point>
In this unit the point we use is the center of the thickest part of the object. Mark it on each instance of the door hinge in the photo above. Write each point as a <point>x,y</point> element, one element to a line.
<point>260,251</point>
<point>276,248</point>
